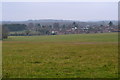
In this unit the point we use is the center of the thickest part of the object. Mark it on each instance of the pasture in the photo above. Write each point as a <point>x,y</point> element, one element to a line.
<point>61,56</point>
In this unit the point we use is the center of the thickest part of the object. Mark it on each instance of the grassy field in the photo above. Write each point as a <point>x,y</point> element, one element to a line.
<point>61,56</point>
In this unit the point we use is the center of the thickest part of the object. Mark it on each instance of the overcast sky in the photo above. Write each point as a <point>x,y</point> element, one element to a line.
<point>82,11</point>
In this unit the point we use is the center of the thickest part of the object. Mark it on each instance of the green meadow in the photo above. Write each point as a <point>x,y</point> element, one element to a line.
<point>61,56</point>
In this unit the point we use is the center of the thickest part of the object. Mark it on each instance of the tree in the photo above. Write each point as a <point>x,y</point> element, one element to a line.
<point>110,23</point>
<point>5,32</point>
<point>27,32</point>
<point>44,31</point>
<point>38,25</point>
<point>30,26</point>
<point>56,26</point>
<point>15,27</point>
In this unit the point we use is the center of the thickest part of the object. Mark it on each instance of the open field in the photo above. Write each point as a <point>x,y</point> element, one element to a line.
<point>61,56</point>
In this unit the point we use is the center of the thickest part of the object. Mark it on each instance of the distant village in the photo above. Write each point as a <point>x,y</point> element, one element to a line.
<point>56,28</point>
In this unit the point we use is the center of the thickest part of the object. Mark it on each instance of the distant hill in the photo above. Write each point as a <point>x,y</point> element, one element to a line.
<point>61,22</point>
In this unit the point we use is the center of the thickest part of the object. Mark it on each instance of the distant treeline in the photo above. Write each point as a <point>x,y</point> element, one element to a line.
<point>15,27</point>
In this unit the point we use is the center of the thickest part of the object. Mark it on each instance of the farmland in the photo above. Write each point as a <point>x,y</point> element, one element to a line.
<point>61,56</point>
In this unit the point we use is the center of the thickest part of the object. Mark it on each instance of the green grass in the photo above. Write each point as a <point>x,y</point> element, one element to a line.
<point>61,56</point>
<point>106,37</point>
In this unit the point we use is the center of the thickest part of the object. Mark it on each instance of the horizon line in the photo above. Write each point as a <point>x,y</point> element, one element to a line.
<point>54,19</point>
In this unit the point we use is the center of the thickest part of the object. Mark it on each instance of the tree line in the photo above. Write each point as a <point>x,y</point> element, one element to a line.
<point>55,28</point>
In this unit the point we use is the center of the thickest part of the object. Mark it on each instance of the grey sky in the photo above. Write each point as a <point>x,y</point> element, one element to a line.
<point>83,11</point>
